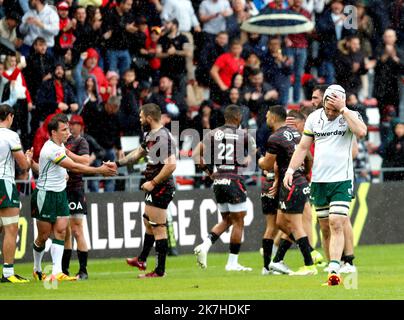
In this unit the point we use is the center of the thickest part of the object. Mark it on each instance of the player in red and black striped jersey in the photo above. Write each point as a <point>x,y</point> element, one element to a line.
<point>230,149</point>
<point>281,145</point>
<point>160,148</point>
<point>77,149</point>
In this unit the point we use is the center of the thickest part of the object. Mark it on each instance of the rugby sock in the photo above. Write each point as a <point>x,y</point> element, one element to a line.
<point>56,251</point>
<point>67,254</point>
<point>291,237</point>
<point>82,256</point>
<point>233,259</point>
<point>284,246</point>
<point>8,270</point>
<point>348,259</point>
<point>267,247</point>
<point>304,246</point>
<point>38,253</point>
<point>334,266</point>
<point>213,237</point>
<point>147,246</point>
<point>161,249</point>
<point>274,250</point>
<point>235,248</point>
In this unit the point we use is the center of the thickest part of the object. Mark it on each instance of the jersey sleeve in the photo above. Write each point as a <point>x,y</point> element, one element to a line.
<point>15,143</point>
<point>57,155</point>
<point>274,145</point>
<point>83,148</point>
<point>308,127</point>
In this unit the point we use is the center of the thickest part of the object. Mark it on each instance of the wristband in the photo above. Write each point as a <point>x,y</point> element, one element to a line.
<point>290,171</point>
<point>118,164</point>
<point>342,111</point>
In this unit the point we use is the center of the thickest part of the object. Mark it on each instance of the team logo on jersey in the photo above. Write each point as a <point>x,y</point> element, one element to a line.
<point>342,120</point>
<point>288,135</point>
<point>219,135</point>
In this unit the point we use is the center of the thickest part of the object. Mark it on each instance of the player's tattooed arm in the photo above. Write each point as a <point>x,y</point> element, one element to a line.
<point>199,160</point>
<point>132,157</point>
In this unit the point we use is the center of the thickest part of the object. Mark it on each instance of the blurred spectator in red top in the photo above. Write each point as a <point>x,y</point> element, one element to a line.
<point>91,66</point>
<point>65,38</point>
<point>41,136</point>
<point>225,67</point>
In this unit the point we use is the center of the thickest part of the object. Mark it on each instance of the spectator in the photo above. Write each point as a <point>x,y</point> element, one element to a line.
<point>236,98</point>
<point>171,102</point>
<point>257,44</point>
<point>331,29</point>
<point>113,80</point>
<point>213,13</point>
<point>234,21</point>
<point>259,95</point>
<point>129,109</point>
<point>394,155</point>
<point>150,9</point>
<point>350,64</point>
<point>173,49</point>
<point>209,53</point>
<point>224,68</point>
<point>145,93</point>
<point>82,30</point>
<point>40,21</point>
<point>388,71</point>
<point>296,48</point>
<point>365,29</point>
<point>278,4</point>
<point>41,136</point>
<point>277,69</point>
<point>94,21</point>
<point>65,38</point>
<point>184,13</point>
<point>118,22</point>
<point>23,106</point>
<point>150,52</point>
<point>56,95</point>
<point>107,135</point>
<point>8,28</point>
<point>91,107</point>
<point>252,63</point>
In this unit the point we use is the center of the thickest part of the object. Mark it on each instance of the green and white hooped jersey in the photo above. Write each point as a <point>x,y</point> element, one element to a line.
<point>9,143</point>
<point>52,177</point>
<point>333,147</point>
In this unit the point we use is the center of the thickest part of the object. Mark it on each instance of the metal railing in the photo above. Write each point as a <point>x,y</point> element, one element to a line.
<point>132,181</point>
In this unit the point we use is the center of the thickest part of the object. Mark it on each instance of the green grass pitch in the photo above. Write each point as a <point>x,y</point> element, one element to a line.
<point>380,276</point>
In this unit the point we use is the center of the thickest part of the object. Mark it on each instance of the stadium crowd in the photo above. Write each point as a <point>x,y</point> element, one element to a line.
<point>103,59</point>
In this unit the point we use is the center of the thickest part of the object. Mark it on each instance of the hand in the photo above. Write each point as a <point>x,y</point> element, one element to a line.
<point>223,87</point>
<point>390,50</point>
<point>84,55</point>
<point>63,106</point>
<point>92,158</point>
<point>107,35</point>
<point>256,95</point>
<point>147,186</point>
<point>288,181</point>
<point>29,155</point>
<point>171,51</point>
<point>74,107</point>
<point>22,64</point>
<point>47,77</point>
<point>197,29</point>
<point>291,122</point>
<point>131,27</point>
<point>355,67</point>
<point>107,170</point>
<point>274,189</point>
<point>110,164</point>
<point>30,106</point>
<point>337,102</point>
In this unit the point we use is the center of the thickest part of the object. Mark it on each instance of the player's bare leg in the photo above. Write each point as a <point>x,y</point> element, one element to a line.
<point>237,221</point>
<point>271,231</point>
<point>148,243</point>
<point>337,244</point>
<point>326,234</point>
<point>44,232</point>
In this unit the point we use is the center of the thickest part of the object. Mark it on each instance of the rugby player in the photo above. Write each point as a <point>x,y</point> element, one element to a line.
<point>333,129</point>
<point>77,149</point>
<point>160,148</point>
<point>10,151</point>
<point>281,145</point>
<point>49,202</point>
<point>230,149</point>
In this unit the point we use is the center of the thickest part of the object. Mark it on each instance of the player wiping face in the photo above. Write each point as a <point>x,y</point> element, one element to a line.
<point>332,106</point>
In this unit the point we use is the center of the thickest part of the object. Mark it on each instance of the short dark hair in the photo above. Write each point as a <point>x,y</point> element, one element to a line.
<point>321,87</point>
<point>5,110</point>
<point>279,111</point>
<point>235,42</point>
<point>152,110</point>
<point>53,124</point>
<point>39,40</point>
<point>296,114</point>
<point>232,113</point>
